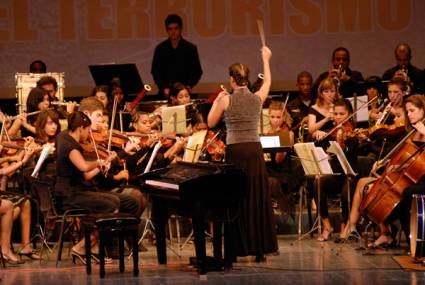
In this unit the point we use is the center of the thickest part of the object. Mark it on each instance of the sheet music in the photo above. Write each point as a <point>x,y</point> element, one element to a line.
<point>194,146</point>
<point>363,114</point>
<point>174,119</point>
<point>322,160</point>
<point>313,159</point>
<point>47,149</point>
<point>305,154</point>
<point>336,149</point>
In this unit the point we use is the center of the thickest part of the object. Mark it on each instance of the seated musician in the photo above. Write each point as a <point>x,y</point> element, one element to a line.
<point>101,92</point>
<point>21,204</point>
<point>6,220</point>
<point>321,114</point>
<point>50,84</point>
<point>137,162</point>
<point>336,184</point>
<point>298,107</point>
<point>373,87</point>
<point>361,189</point>
<point>179,95</point>
<point>72,169</point>
<point>130,202</point>
<point>38,100</point>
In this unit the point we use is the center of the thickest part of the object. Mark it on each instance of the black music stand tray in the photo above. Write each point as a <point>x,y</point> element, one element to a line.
<point>129,76</point>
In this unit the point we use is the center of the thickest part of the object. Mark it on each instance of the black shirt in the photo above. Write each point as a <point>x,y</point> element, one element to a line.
<point>171,65</point>
<point>68,177</point>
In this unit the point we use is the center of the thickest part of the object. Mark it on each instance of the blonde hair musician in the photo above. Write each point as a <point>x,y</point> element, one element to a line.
<point>321,114</point>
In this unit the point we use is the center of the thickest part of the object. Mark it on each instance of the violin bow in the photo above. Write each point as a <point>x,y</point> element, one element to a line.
<point>349,117</point>
<point>96,151</point>
<point>114,112</point>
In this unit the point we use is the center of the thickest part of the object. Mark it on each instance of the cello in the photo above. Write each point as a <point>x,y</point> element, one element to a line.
<point>406,167</point>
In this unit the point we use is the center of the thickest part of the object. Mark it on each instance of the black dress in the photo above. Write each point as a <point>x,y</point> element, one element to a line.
<point>257,230</point>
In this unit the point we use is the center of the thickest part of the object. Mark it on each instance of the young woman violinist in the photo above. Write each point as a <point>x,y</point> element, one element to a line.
<point>72,169</point>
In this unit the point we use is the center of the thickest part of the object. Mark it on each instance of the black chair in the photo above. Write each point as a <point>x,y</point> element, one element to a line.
<point>120,224</point>
<point>42,191</point>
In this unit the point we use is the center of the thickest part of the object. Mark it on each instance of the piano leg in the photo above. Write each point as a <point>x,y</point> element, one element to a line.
<point>159,218</point>
<point>198,218</point>
<point>217,236</point>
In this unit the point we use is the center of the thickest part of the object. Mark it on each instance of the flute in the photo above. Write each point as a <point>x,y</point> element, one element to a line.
<point>58,103</point>
<point>28,114</point>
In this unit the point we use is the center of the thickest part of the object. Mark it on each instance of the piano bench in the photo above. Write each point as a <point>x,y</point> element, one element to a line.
<point>120,224</point>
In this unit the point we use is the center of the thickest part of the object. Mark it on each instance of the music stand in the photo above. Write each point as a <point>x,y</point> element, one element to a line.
<point>129,76</point>
<point>315,164</point>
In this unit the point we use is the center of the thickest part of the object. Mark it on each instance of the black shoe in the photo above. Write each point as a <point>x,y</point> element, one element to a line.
<point>260,258</point>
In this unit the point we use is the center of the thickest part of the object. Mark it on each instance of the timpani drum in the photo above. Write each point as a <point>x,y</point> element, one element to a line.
<point>417,227</point>
<point>26,81</point>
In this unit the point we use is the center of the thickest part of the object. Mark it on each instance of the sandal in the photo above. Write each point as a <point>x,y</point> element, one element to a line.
<point>31,255</point>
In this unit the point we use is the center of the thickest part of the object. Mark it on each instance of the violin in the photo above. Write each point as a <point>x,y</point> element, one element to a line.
<point>102,138</point>
<point>214,146</point>
<point>10,148</point>
<point>382,131</point>
<point>89,148</point>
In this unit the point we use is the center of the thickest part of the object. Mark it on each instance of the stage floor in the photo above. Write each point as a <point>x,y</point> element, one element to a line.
<point>299,262</point>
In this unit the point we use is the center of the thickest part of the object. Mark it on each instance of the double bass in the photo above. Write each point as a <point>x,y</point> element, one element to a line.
<point>405,167</point>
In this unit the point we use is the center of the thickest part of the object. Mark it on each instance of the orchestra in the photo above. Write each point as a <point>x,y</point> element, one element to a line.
<point>99,157</point>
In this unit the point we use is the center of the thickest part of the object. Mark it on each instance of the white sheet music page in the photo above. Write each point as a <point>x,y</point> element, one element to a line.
<point>336,149</point>
<point>304,152</point>
<point>322,159</point>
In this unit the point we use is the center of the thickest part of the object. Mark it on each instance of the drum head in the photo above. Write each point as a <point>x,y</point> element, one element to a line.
<point>413,225</point>
<point>417,227</point>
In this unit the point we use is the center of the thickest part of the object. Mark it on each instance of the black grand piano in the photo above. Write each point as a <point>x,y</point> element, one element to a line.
<point>195,189</point>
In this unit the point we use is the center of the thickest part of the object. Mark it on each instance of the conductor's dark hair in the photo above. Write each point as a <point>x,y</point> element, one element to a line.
<point>78,119</point>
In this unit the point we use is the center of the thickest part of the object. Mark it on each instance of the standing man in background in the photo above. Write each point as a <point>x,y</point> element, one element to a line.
<point>175,59</point>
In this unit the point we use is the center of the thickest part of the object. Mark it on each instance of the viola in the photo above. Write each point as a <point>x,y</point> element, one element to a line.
<point>384,131</point>
<point>214,146</point>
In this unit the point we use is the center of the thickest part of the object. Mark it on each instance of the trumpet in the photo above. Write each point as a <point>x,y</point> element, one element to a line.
<point>340,71</point>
